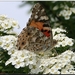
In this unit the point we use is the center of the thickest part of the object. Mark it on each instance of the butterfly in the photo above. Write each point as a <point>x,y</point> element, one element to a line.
<point>37,35</point>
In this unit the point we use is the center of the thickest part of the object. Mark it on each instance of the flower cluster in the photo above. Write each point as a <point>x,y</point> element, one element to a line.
<point>60,64</point>
<point>67,12</point>
<point>37,63</point>
<point>62,39</point>
<point>7,23</point>
<point>8,42</point>
<point>21,58</point>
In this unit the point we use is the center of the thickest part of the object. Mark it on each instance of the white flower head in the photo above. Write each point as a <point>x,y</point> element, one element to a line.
<point>2,17</point>
<point>73,10</point>
<point>55,7</point>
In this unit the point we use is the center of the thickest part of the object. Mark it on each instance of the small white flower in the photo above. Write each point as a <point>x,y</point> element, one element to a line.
<point>36,69</point>
<point>57,66</point>
<point>58,30</point>
<point>13,60</point>
<point>15,23</point>
<point>19,64</point>
<point>55,7</point>
<point>73,10</point>
<point>67,17</point>
<point>66,7</point>
<point>72,71</point>
<point>8,46</point>
<point>6,39</point>
<point>53,71</point>
<point>67,57</point>
<point>6,24</point>
<point>69,12</point>
<point>64,43</point>
<point>2,17</point>
<point>11,52</point>
<point>73,58</point>
<point>69,67</point>
<point>64,12</point>
<point>64,71</point>
<point>7,62</point>
<point>1,43</point>
<point>68,41</point>
<point>47,71</point>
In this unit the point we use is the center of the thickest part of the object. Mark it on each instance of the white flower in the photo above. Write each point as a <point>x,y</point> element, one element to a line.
<point>66,57</point>
<point>73,10</point>
<point>69,67</point>
<point>6,24</point>
<point>72,71</point>
<point>11,52</point>
<point>69,12</point>
<point>55,7</point>
<point>2,17</point>
<point>58,30</point>
<point>66,13</point>
<point>1,43</point>
<point>7,62</point>
<point>54,71</point>
<point>15,23</point>
<point>47,71</point>
<point>66,7</point>
<point>63,12</point>
<point>64,43</point>
<point>7,43</point>
<point>67,17</point>
<point>6,39</point>
<point>8,46</point>
<point>44,62</point>
<point>68,41</point>
<point>57,66</point>
<point>62,39</point>
<point>14,59</point>
<point>64,71</point>
<point>36,69</point>
<point>73,58</point>
<point>19,64</point>
<point>58,44</point>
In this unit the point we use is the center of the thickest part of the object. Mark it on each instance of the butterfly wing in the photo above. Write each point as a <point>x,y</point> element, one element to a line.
<point>37,35</point>
<point>40,20</point>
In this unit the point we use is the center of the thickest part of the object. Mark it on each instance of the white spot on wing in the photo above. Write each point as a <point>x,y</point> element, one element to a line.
<point>43,18</point>
<point>36,16</point>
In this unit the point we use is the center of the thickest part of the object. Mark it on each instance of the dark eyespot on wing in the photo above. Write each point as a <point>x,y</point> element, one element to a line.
<point>23,43</point>
<point>28,33</point>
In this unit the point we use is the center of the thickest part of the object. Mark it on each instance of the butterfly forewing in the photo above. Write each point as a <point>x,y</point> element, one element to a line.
<point>37,35</point>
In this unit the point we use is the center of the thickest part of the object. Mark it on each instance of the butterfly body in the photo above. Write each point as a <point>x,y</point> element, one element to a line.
<point>37,35</point>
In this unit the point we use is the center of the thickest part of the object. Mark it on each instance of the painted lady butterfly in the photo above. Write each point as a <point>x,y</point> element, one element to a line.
<point>37,35</point>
